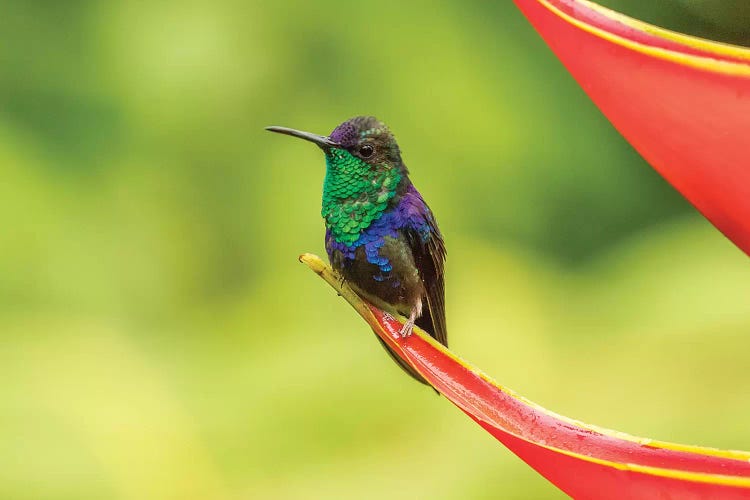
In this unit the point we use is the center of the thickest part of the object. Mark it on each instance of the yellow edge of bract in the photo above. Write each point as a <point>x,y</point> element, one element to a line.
<point>674,36</point>
<point>698,477</point>
<point>694,61</point>
<point>332,278</point>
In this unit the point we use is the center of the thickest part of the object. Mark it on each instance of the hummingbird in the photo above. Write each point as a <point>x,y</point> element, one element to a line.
<point>380,234</point>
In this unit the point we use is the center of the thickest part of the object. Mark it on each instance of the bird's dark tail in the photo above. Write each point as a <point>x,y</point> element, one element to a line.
<point>434,325</point>
<point>403,364</point>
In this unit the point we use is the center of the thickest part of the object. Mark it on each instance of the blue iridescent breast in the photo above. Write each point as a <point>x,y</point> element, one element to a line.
<point>410,212</point>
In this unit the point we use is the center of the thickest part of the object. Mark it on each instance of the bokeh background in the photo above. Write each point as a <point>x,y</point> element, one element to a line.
<point>160,340</point>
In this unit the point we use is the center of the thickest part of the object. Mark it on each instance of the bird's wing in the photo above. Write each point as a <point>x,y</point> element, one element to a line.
<point>428,250</point>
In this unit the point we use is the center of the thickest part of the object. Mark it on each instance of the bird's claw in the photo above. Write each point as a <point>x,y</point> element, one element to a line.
<point>406,330</point>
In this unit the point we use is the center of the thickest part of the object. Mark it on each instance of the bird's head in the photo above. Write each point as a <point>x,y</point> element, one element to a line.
<point>362,145</point>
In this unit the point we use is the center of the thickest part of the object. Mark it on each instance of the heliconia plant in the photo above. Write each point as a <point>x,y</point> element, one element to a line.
<point>684,104</point>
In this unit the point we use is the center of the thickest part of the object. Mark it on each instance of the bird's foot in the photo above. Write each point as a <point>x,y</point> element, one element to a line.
<point>409,325</point>
<point>407,328</point>
<point>342,281</point>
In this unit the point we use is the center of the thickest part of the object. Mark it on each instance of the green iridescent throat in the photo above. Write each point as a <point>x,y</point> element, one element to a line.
<point>355,194</point>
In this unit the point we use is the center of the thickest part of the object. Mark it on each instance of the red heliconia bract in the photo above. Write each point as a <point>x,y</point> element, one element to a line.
<point>582,460</point>
<point>682,102</point>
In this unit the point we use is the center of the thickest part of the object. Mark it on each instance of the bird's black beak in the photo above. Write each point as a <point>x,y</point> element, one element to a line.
<point>321,140</point>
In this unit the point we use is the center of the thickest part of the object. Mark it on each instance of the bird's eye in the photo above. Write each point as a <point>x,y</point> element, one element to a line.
<point>366,151</point>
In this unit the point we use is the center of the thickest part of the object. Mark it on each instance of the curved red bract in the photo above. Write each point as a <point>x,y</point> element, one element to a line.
<point>683,103</point>
<point>582,461</point>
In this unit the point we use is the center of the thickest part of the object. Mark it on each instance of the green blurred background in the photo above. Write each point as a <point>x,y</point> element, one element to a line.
<point>159,338</point>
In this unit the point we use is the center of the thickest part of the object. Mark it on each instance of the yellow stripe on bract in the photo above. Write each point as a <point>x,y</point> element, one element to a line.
<point>694,61</point>
<point>333,279</point>
<point>674,36</point>
<point>697,477</point>
<point>697,450</point>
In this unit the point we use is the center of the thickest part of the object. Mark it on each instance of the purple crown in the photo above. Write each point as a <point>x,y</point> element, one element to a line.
<point>348,133</point>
